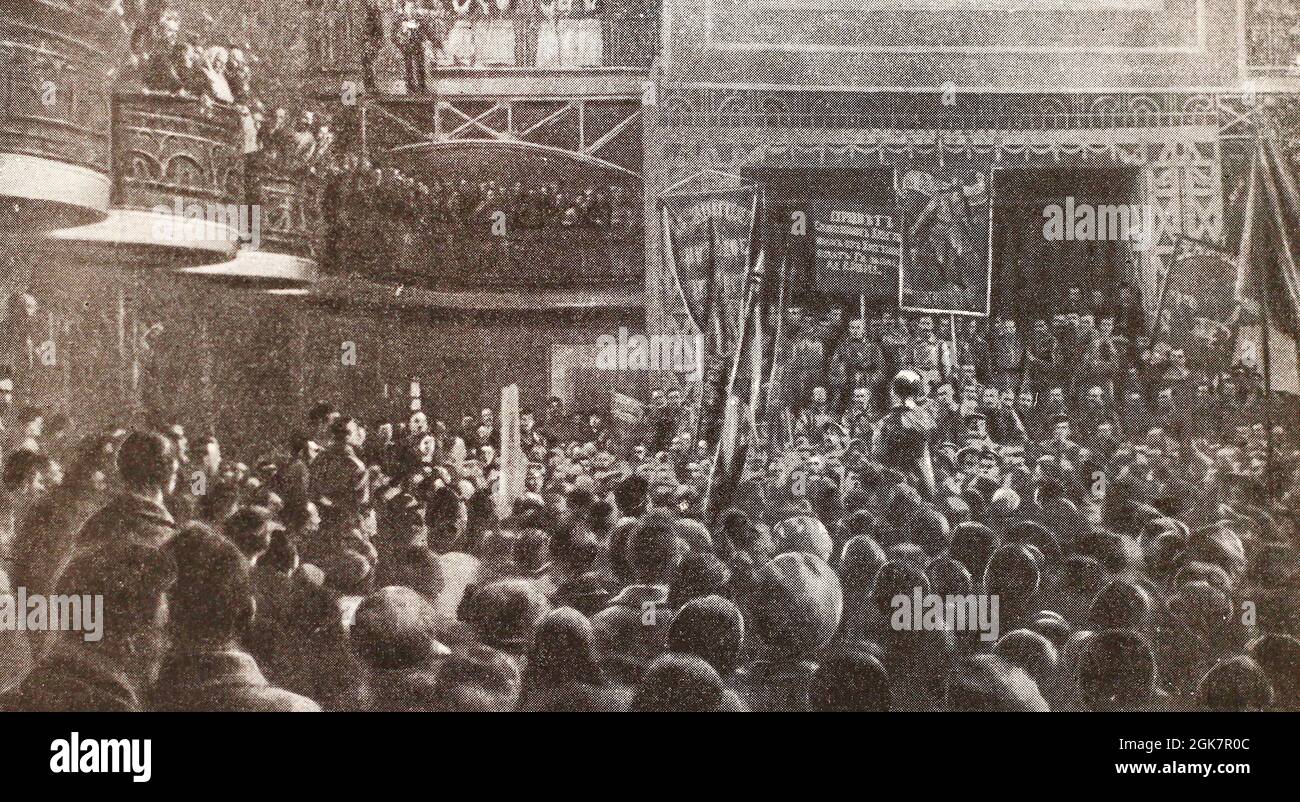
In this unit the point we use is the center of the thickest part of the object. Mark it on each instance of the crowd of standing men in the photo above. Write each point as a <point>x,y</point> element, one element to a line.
<point>1125,504</point>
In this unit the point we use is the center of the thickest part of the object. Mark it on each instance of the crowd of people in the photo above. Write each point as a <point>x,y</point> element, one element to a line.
<point>1273,34</point>
<point>1123,506</point>
<point>454,221</point>
<point>166,59</point>
<point>363,197</point>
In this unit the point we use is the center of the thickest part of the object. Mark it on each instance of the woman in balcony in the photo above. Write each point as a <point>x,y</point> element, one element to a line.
<point>548,35</point>
<point>460,39</point>
<point>590,48</point>
<point>496,43</point>
<point>214,69</point>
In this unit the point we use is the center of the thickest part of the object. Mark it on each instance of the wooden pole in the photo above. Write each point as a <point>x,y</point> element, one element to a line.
<point>1262,295</point>
<point>365,143</point>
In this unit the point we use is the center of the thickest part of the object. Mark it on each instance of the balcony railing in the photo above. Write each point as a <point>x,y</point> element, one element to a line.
<point>289,204</point>
<point>169,150</point>
<point>472,254</point>
<point>55,57</point>
<point>784,111</point>
<point>618,34</point>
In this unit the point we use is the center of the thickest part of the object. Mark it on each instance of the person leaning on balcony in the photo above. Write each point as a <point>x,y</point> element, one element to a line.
<point>213,66</point>
<point>239,75</point>
<point>190,68</point>
<point>434,23</point>
<point>163,69</point>
<point>278,140</point>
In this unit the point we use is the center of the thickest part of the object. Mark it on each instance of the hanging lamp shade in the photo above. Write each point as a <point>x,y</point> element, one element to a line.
<point>258,270</point>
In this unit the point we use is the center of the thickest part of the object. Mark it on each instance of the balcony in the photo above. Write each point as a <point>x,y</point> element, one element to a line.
<point>519,53</point>
<point>168,149</point>
<point>289,204</point>
<point>499,227</point>
<point>176,165</point>
<point>466,255</point>
<point>183,198</point>
<point>55,59</point>
<point>277,254</point>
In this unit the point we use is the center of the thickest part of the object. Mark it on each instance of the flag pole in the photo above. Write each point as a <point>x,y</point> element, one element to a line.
<point>751,297</point>
<point>772,387</point>
<point>952,329</point>
<point>1261,298</point>
<point>1260,173</point>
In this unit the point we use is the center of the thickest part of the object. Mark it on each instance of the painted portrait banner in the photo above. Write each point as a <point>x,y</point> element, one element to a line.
<point>856,250</point>
<point>946,223</point>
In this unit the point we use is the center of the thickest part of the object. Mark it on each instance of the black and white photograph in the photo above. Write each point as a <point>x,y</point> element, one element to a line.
<point>675,356</point>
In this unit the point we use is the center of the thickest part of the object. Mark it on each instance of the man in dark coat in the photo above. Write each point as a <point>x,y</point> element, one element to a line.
<point>109,665</point>
<point>340,484</point>
<point>211,605</point>
<point>147,464</point>
<point>855,363</point>
<point>902,437</point>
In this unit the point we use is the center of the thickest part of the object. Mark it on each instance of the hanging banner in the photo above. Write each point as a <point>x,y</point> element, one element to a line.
<point>946,223</point>
<point>856,251</point>
<point>708,237</point>
<point>709,225</point>
<point>1200,276</point>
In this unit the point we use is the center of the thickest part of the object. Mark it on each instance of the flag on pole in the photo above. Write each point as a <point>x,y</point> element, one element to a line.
<point>739,423</point>
<point>1268,275</point>
<point>709,225</point>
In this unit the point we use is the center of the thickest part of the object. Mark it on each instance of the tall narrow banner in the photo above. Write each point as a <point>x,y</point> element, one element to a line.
<point>946,263</point>
<point>709,236</point>
<point>1268,272</point>
<point>739,427</point>
<point>708,239</point>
